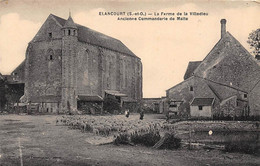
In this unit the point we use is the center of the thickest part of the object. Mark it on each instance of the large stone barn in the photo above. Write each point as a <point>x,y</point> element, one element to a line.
<point>229,75</point>
<point>70,67</point>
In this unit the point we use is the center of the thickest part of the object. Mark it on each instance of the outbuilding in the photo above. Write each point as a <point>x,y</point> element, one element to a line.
<point>201,107</point>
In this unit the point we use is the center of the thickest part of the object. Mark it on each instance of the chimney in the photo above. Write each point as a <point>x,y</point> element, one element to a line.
<point>223,27</point>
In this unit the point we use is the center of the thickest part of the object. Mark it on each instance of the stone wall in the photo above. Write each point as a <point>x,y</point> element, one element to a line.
<point>43,74</point>
<point>43,62</point>
<point>102,69</point>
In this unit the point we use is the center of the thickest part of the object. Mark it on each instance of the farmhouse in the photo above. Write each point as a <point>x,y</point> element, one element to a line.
<point>228,75</point>
<point>69,67</point>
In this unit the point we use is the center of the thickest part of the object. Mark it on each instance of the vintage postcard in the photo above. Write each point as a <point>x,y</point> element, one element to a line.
<point>124,82</point>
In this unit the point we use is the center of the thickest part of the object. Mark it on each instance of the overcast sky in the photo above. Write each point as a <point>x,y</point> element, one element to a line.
<point>165,47</point>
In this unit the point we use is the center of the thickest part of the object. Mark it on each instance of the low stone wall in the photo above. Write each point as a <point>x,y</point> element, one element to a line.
<point>196,126</point>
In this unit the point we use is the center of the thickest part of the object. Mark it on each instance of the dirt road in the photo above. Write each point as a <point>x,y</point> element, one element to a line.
<point>36,140</point>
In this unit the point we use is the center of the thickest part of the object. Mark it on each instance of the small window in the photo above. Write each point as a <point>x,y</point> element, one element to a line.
<point>200,107</point>
<point>64,32</point>
<point>51,57</point>
<point>69,32</point>
<point>74,32</point>
<point>191,88</point>
<point>173,105</point>
<point>245,96</point>
<point>50,35</point>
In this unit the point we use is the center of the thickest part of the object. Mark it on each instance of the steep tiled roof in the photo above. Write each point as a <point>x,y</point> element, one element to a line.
<point>89,98</point>
<point>230,63</point>
<point>190,69</point>
<point>96,38</point>
<point>202,102</point>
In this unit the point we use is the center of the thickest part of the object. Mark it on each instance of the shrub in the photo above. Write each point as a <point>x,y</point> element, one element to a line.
<point>121,139</point>
<point>245,147</point>
<point>148,139</point>
<point>171,142</point>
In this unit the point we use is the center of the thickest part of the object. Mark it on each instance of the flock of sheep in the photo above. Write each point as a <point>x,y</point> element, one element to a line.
<point>114,125</point>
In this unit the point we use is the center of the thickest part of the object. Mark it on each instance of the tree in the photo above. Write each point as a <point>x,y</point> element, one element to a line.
<point>254,42</point>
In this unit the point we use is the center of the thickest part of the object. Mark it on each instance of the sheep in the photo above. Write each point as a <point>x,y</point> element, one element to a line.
<point>95,131</point>
<point>113,125</point>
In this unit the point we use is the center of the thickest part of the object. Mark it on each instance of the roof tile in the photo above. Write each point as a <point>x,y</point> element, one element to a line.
<point>202,102</point>
<point>88,35</point>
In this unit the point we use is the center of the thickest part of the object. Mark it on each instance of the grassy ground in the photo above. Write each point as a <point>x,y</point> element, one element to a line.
<point>36,140</point>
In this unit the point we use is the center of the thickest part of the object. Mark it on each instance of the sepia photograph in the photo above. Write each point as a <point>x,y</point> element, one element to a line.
<point>129,83</point>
